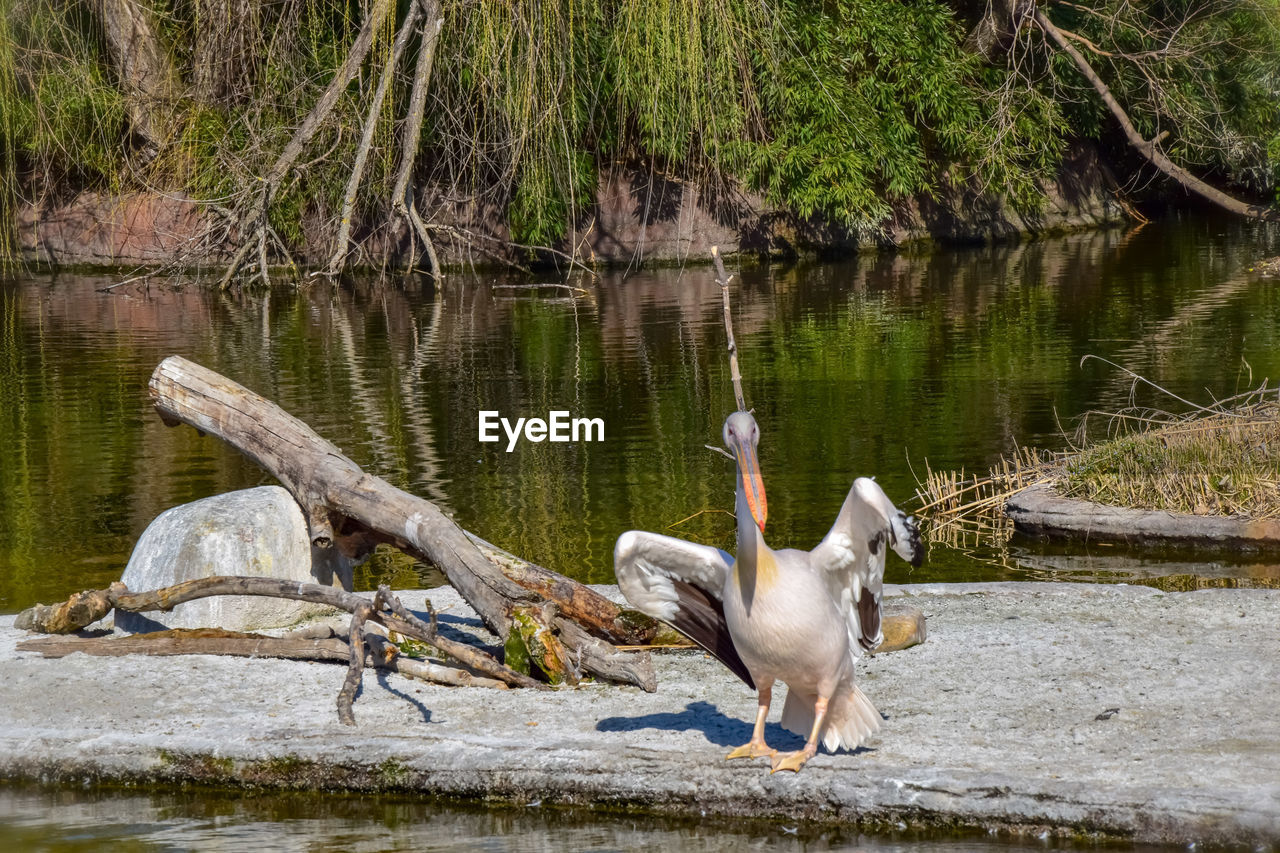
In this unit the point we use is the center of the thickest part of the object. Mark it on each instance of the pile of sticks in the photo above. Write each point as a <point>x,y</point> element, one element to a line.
<point>361,647</point>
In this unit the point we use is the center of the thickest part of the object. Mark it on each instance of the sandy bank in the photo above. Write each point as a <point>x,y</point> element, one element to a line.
<point>994,722</point>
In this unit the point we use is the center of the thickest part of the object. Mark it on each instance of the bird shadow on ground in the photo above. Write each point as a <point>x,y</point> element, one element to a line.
<point>720,729</point>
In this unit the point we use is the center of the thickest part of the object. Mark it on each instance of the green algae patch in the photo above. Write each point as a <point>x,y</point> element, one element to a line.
<point>288,772</point>
<point>533,648</point>
<point>198,766</point>
<point>393,773</point>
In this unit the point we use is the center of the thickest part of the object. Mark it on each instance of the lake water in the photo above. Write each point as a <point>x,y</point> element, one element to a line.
<point>879,366</point>
<point>44,821</point>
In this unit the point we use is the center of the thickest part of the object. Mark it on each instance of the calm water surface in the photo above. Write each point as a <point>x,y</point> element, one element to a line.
<point>880,365</point>
<point>87,822</point>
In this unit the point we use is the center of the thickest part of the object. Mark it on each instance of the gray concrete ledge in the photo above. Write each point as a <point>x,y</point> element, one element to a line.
<point>1040,510</point>
<point>991,723</point>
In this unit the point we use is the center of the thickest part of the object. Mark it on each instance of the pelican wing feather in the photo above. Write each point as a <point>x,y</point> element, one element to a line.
<point>852,557</point>
<point>680,583</point>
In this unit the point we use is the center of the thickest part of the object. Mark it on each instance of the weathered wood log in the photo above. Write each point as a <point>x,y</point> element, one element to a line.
<point>574,600</point>
<point>399,620</point>
<point>606,661</point>
<point>81,609</point>
<point>322,479</point>
<point>184,641</point>
<point>327,484</point>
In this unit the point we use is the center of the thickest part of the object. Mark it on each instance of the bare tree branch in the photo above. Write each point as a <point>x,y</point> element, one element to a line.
<point>339,258</point>
<point>252,221</point>
<point>402,202</point>
<point>1149,149</point>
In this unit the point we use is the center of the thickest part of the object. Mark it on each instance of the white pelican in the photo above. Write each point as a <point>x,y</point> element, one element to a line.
<point>799,617</point>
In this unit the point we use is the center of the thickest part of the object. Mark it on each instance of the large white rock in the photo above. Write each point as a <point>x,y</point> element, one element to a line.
<point>259,532</point>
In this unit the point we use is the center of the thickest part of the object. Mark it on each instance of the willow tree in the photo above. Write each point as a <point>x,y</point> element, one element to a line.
<point>337,128</point>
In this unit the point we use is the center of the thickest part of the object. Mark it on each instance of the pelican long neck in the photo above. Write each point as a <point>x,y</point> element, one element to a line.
<point>754,569</point>
<point>750,542</point>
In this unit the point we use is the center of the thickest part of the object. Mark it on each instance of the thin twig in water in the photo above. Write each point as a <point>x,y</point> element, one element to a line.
<point>112,287</point>
<point>1145,380</point>
<point>578,290</point>
<point>696,514</point>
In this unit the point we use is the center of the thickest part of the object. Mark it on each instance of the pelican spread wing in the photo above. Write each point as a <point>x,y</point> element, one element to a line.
<point>852,557</point>
<point>680,583</point>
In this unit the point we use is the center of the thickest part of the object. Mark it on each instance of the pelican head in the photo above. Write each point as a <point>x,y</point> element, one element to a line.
<point>741,435</point>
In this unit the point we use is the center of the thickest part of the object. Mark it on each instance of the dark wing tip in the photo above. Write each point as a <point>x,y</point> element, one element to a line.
<point>913,540</point>
<point>917,555</point>
<point>700,617</point>
<point>869,620</point>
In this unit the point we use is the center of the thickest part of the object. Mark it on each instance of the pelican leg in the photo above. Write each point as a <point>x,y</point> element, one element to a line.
<point>793,761</point>
<point>756,747</point>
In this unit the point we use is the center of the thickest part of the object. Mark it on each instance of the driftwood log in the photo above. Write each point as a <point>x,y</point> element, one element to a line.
<point>362,646</point>
<point>87,607</point>
<point>202,641</point>
<point>336,495</point>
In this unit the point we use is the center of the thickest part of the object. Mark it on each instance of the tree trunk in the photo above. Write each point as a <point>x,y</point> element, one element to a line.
<point>252,220</point>
<point>331,488</point>
<point>148,78</point>
<point>992,36</point>
<point>339,258</point>
<point>403,204</point>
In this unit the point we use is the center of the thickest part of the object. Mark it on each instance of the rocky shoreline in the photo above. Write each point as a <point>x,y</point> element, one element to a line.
<point>1074,709</point>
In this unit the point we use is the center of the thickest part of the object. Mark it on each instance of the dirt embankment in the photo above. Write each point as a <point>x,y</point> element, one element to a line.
<point>639,216</point>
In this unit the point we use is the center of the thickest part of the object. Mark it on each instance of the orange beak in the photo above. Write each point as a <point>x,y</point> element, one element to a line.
<point>752,484</point>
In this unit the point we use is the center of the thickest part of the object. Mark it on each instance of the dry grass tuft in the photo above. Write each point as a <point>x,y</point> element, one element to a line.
<point>1221,463</point>
<point>960,510</point>
<point>1218,460</point>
